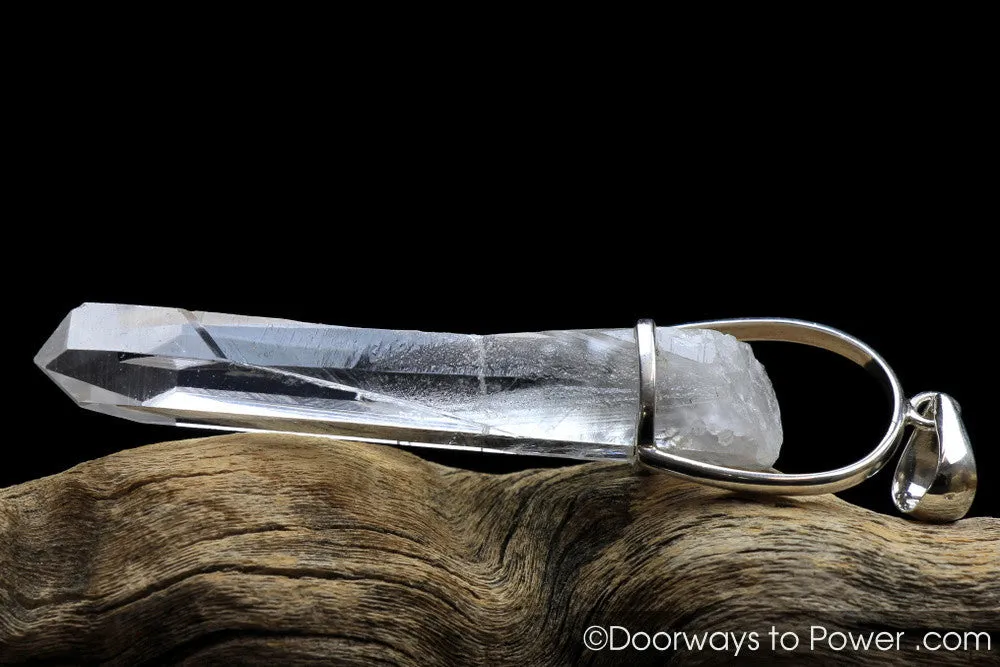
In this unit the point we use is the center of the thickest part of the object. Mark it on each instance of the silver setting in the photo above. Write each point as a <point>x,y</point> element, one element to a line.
<point>936,476</point>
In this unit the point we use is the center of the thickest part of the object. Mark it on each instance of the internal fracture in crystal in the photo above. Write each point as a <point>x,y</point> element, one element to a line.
<point>559,393</point>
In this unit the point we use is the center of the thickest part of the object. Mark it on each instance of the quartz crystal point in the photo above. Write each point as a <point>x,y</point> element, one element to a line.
<point>556,393</point>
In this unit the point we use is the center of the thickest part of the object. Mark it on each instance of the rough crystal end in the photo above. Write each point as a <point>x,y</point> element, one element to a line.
<point>716,403</point>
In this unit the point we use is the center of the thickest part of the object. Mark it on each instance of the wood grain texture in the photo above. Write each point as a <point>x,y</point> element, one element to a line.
<point>284,550</point>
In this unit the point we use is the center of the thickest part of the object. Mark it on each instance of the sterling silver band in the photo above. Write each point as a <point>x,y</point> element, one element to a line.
<point>645,339</point>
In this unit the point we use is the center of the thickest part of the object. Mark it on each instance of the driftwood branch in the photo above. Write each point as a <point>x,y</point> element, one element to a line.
<point>283,550</point>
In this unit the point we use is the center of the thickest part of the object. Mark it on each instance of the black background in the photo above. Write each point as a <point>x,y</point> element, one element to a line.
<point>514,213</point>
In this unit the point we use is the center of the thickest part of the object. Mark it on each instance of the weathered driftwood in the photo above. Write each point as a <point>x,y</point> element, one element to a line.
<point>281,550</point>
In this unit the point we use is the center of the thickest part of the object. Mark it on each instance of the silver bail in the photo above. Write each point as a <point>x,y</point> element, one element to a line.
<point>936,476</point>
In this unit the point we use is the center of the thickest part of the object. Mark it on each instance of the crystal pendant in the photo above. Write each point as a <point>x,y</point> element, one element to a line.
<point>555,393</point>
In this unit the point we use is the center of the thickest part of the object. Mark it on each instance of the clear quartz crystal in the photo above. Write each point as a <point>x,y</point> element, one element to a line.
<point>559,393</point>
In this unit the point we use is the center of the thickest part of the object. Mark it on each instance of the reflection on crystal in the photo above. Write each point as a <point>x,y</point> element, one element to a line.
<point>560,393</point>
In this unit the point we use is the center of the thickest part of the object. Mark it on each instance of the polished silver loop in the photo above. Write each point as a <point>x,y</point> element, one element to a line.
<point>914,414</point>
<point>904,413</point>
